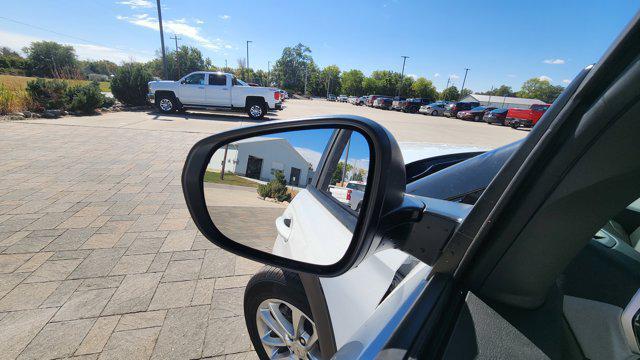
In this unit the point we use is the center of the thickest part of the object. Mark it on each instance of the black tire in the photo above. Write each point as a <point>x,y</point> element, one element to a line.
<point>434,113</point>
<point>256,109</point>
<point>167,103</point>
<point>514,125</point>
<point>477,118</point>
<point>271,283</point>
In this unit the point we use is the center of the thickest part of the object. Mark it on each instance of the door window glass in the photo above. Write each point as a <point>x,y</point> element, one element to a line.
<point>194,79</point>
<point>217,79</point>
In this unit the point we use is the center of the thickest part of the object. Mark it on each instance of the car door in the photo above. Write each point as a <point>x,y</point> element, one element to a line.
<point>218,91</point>
<point>500,287</point>
<point>192,89</point>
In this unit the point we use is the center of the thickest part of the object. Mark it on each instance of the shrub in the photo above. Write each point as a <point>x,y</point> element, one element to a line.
<point>12,100</point>
<point>108,102</point>
<point>47,94</point>
<point>276,188</point>
<point>130,84</point>
<point>85,98</point>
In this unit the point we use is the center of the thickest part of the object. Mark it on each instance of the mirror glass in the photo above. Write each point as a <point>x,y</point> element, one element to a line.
<point>295,194</point>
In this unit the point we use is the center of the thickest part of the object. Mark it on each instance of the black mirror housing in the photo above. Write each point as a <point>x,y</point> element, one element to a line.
<point>384,203</point>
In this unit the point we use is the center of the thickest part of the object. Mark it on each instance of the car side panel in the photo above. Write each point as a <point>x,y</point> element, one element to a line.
<point>352,297</point>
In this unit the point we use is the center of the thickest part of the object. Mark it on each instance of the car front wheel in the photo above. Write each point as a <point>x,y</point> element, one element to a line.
<point>278,316</point>
<point>166,103</point>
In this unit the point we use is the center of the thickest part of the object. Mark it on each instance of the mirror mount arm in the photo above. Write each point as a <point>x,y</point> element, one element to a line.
<point>426,236</point>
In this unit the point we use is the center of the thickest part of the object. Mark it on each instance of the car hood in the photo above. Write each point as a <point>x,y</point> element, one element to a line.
<point>414,151</point>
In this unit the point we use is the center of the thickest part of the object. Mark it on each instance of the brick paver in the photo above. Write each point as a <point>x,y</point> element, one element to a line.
<point>99,258</point>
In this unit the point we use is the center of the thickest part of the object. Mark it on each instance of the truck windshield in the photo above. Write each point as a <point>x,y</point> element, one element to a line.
<point>355,186</point>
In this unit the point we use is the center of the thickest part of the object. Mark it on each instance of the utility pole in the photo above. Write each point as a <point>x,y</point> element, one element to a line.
<point>176,38</point>
<point>490,91</point>
<point>346,160</point>
<point>466,70</point>
<point>247,64</point>
<point>448,80</point>
<point>404,60</point>
<point>224,161</point>
<point>328,83</point>
<point>268,73</point>
<point>306,70</point>
<point>225,65</point>
<point>164,55</point>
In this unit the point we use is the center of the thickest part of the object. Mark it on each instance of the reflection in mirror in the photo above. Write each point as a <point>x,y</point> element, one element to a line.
<point>272,192</point>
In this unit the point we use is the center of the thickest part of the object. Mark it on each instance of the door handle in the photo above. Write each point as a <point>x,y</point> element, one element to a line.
<point>283,226</point>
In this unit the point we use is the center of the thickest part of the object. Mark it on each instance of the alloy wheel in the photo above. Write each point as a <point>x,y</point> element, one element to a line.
<point>255,110</point>
<point>166,105</point>
<point>286,332</point>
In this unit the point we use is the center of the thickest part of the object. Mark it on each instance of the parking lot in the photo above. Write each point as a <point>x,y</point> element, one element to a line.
<point>98,255</point>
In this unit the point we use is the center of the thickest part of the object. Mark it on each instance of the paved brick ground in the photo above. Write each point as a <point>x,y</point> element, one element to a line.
<point>98,256</point>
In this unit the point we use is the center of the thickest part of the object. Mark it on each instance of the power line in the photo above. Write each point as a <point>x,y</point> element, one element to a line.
<point>69,36</point>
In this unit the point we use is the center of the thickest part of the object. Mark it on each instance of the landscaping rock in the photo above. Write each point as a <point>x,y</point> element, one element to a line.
<point>51,114</point>
<point>16,116</point>
<point>27,114</point>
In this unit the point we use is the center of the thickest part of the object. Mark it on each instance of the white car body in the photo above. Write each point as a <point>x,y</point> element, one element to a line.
<point>231,94</point>
<point>353,297</point>
<point>343,98</point>
<point>352,194</point>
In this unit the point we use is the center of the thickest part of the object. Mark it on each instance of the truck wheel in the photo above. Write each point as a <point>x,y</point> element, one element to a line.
<point>256,110</point>
<point>166,103</point>
<point>278,316</point>
<point>514,124</point>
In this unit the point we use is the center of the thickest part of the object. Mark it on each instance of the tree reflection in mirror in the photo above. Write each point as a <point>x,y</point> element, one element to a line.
<point>272,192</point>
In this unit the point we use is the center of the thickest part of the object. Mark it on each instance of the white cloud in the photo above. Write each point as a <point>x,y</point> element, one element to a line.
<point>84,51</point>
<point>554,61</point>
<point>454,77</point>
<point>511,75</point>
<point>177,26</point>
<point>199,22</point>
<point>413,76</point>
<point>436,75</point>
<point>566,81</point>
<point>224,17</point>
<point>135,4</point>
<point>545,77</point>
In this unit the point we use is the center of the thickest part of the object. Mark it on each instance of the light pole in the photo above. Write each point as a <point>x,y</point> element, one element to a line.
<point>164,55</point>
<point>448,80</point>
<point>404,60</point>
<point>466,70</point>
<point>247,64</point>
<point>176,38</point>
<point>268,73</point>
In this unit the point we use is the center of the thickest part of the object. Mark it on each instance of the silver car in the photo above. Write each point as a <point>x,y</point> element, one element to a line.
<point>433,109</point>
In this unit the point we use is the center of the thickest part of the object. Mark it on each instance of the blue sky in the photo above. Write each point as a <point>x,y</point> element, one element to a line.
<point>503,42</point>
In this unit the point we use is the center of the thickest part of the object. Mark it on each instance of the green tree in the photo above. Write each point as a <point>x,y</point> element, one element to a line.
<point>540,89</point>
<point>352,82</point>
<point>186,60</point>
<point>52,60</point>
<point>336,177</point>
<point>503,90</point>
<point>450,94</point>
<point>424,88</point>
<point>10,59</point>
<point>465,92</point>
<point>289,70</point>
<point>331,76</point>
<point>102,67</point>
<point>386,82</point>
<point>130,84</point>
<point>358,175</point>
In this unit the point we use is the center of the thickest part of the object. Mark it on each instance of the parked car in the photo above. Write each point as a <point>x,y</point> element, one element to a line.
<point>331,97</point>
<point>413,105</point>
<point>398,103</point>
<point>351,194</point>
<point>475,114</point>
<point>352,100</point>
<point>383,103</point>
<point>434,109</point>
<point>213,91</point>
<point>371,99</point>
<point>525,117</point>
<point>495,116</point>
<point>452,109</point>
<point>343,98</point>
<point>361,100</point>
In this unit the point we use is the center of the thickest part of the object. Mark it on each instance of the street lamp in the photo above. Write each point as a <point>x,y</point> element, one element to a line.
<point>466,70</point>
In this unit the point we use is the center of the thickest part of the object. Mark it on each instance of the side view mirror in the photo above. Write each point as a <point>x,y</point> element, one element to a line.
<point>314,195</point>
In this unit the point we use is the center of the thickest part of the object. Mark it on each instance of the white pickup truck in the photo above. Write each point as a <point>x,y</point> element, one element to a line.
<point>351,194</point>
<point>213,91</point>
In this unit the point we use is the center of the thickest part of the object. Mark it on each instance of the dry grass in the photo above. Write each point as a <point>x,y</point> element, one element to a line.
<point>17,83</point>
<point>13,100</point>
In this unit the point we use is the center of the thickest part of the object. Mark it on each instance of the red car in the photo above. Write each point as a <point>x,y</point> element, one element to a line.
<point>525,117</point>
<point>371,99</point>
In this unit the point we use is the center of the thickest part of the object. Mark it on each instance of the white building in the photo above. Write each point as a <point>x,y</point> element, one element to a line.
<point>261,157</point>
<point>502,101</point>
